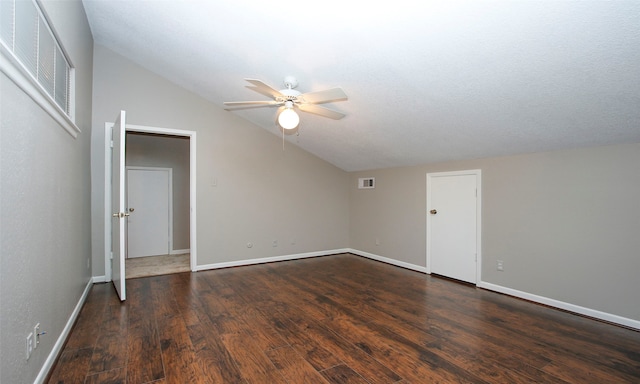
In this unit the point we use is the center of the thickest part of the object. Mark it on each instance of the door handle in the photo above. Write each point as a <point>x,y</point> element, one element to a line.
<point>120,214</point>
<point>433,211</point>
<point>131,209</point>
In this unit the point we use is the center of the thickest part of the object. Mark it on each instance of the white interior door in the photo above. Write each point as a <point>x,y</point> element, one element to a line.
<point>452,225</point>
<point>118,227</point>
<point>149,202</point>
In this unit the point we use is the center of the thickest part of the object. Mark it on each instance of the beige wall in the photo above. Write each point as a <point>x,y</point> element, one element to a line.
<point>566,223</point>
<point>262,194</point>
<point>145,150</point>
<point>563,222</point>
<point>45,207</point>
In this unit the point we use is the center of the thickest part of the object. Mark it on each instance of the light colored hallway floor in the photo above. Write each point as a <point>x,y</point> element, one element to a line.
<point>156,265</point>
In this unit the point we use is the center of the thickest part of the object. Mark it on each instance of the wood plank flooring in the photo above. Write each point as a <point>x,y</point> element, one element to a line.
<point>337,319</point>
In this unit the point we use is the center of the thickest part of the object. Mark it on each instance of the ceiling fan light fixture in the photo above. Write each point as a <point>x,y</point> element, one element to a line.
<point>288,99</point>
<point>288,118</point>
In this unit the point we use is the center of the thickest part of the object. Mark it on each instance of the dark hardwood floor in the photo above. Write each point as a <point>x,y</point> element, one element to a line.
<point>338,319</point>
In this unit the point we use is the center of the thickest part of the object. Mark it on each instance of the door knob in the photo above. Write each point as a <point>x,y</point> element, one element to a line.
<point>433,211</point>
<point>131,209</point>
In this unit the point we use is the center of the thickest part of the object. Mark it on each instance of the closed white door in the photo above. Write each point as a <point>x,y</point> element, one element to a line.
<point>148,199</point>
<point>452,225</point>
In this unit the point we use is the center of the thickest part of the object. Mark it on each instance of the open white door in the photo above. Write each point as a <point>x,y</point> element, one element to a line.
<point>118,227</point>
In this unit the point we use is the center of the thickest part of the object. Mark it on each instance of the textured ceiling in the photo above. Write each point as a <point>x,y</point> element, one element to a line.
<point>427,81</point>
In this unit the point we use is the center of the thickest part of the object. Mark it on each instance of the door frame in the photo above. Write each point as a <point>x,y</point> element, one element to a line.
<point>169,172</point>
<point>192,189</point>
<point>478,174</point>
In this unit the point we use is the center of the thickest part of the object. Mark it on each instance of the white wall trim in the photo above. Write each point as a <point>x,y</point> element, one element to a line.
<point>107,200</point>
<point>57,347</point>
<point>192,189</point>
<point>99,279</point>
<point>179,251</point>
<point>15,71</point>
<point>562,305</point>
<point>388,260</point>
<point>271,259</point>
<point>631,323</point>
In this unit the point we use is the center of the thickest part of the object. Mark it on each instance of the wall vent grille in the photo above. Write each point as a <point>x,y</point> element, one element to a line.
<point>366,183</point>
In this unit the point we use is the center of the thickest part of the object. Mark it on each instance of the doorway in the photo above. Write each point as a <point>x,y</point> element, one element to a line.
<point>189,200</point>
<point>453,225</point>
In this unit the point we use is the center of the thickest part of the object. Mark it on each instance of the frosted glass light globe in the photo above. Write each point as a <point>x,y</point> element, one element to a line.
<point>288,119</point>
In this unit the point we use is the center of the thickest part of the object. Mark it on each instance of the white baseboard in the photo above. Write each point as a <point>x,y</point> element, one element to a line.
<point>270,259</point>
<point>389,261</point>
<point>57,348</point>
<point>99,279</point>
<point>631,323</point>
<point>179,251</point>
<point>562,305</point>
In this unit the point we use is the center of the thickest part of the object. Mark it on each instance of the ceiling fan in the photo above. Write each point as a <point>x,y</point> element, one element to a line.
<point>289,98</point>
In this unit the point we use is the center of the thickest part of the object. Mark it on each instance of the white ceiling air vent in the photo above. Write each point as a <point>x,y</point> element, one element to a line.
<point>366,183</point>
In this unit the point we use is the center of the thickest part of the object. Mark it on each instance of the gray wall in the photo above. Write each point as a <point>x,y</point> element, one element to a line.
<point>565,223</point>
<point>145,150</point>
<point>44,207</point>
<point>262,193</point>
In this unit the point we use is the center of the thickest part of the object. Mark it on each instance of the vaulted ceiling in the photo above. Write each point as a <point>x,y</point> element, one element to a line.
<point>427,81</point>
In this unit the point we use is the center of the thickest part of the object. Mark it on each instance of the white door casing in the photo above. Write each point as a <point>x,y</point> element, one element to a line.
<point>149,191</point>
<point>108,270</point>
<point>118,215</point>
<point>453,225</point>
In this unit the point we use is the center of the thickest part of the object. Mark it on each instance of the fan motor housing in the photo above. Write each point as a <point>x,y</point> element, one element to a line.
<point>290,82</point>
<point>291,94</point>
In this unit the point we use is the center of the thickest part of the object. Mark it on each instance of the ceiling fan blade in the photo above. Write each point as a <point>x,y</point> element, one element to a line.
<point>326,96</point>
<point>249,107</point>
<point>240,103</point>
<point>263,88</point>
<point>322,111</point>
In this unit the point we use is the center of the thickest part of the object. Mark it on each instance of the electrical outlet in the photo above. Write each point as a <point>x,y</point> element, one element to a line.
<point>275,243</point>
<point>377,241</point>
<point>500,265</point>
<point>36,335</point>
<point>30,344</point>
